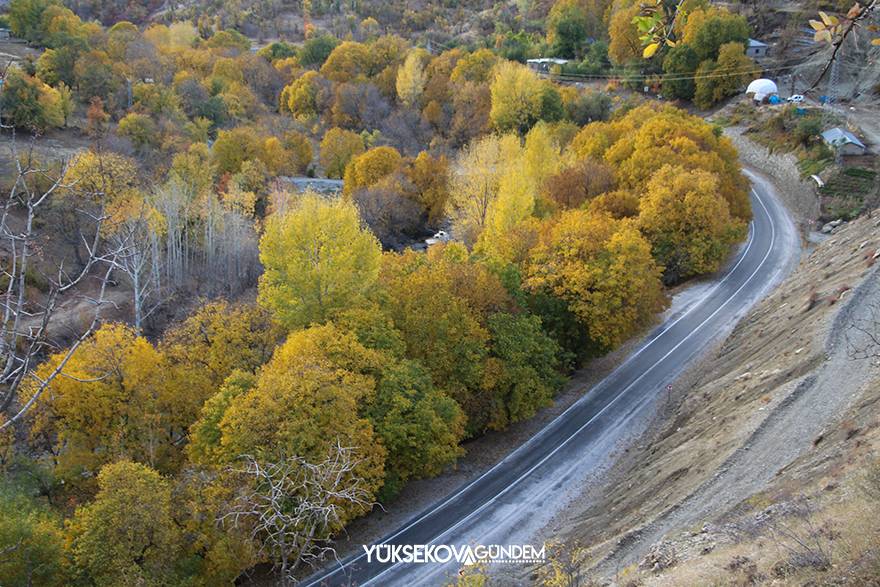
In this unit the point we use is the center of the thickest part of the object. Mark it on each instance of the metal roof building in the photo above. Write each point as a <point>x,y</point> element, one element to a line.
<point>845,141</point>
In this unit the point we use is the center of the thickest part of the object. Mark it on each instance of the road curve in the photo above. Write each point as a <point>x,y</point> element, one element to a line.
<point>514,498</point>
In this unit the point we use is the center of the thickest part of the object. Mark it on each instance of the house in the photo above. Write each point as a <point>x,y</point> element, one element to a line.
<point>544,64</point>
<point>844,141</point>
<point>756,49</point>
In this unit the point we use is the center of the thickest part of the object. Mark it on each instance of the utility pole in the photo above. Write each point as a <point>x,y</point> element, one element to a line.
<point>834,78</point>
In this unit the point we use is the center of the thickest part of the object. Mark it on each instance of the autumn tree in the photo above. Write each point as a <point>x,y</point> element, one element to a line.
<point>603,269</point>
<point>338,148</point>
<point>118,378</point>
<point>216,340</point>
<point>318,260</point>
<point>235,146</point>
<point>305,97</point>
<point>624,45</point>
<point>411,78</point>
<point>29,104</point>
<point>687,222</point>
<point>725,77</point>
<point>429,177</point>
<point>475,67</point>
<point>300,405</point>
<point>573,186</point>
<point>617,204</point>
<point>110,545</point>
<point>476,179</point>
<point>440,302</point>
<point>349,61</point>
<point>647,138</point>
<point>520,98</point>
<point>707,29</point>
<point>419,425</point>
<point>368,168</point>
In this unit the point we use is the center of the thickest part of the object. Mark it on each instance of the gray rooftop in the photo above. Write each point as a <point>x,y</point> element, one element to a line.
<point>840,136</point>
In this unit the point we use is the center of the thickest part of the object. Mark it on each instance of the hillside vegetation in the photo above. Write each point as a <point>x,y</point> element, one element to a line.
<point>263,337</point>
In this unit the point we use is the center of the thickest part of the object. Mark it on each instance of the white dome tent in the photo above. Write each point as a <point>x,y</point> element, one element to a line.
<point>762,89</point>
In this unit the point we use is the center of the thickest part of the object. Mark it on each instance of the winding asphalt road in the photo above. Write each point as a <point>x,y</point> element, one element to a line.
<point>514,498</point>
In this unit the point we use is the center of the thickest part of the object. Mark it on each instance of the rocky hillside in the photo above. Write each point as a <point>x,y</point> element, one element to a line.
<point>765,466</point>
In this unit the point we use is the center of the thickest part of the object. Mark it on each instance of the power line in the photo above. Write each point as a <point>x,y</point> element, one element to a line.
<point>675,77</point>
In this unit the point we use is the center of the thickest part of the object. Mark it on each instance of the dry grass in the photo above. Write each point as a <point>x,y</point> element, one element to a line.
<point>756,368</point>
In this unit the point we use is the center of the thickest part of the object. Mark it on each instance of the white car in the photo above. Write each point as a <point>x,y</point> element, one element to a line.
<point>796,99</point>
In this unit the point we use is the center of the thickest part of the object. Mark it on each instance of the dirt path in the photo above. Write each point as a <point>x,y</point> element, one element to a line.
<point>788,431</point>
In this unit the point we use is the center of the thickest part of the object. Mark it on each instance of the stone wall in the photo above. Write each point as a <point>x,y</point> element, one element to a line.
<point>798,195</point>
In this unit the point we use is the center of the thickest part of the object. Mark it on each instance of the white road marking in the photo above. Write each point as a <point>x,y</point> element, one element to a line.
<point>562,415</point>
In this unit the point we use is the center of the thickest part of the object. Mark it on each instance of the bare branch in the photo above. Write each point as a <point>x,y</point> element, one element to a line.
<point>294,506</point>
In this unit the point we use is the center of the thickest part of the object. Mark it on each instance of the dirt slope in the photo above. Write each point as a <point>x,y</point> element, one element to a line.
<point>783,379</point>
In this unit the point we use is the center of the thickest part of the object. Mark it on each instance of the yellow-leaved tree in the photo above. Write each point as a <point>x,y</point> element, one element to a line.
<point>476,180</point>
<point>304,401</point>
<point>411,77</point>
<point>520,98</point>
<point>603,269</point>
<point>688,223</point>
<point>318,261</point>
<point>111,403</point>
<point>338,147</point>
<point>369,168</point>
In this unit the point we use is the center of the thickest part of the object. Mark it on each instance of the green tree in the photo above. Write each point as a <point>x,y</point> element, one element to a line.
<point>725,77</point>
<point>420,425</point>
<point>32,543</point>
<point>525,371</point>
<point>338,148</point>
<point>315,50</point>
<point>318,261</point>
<point>127,535</point>
<point>204,447</point>
<point>679,65</point>
<point>26,18</point>
<point>566,29</point>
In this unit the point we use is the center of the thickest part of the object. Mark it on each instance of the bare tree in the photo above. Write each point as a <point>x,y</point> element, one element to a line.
<point>27,313</point>
<point>293,506</point>
<point>139,261</point>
